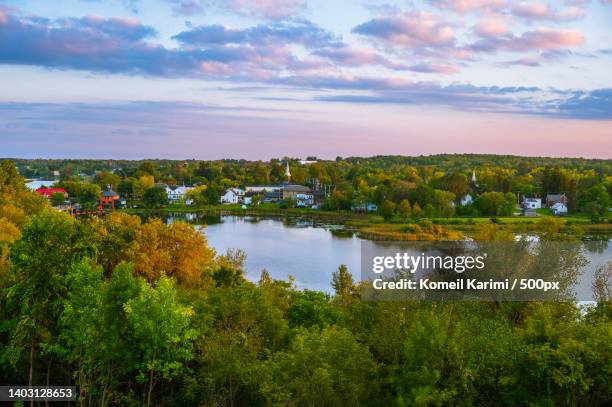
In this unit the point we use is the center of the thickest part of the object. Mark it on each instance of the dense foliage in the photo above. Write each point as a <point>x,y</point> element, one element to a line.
<point>144,313</point>
<point>425,186</point>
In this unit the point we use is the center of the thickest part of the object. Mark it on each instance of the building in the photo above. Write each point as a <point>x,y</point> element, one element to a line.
<point>109,199</point>
<point>47,192</point>
<point>247,199</point>
<point>263,188</point>
<point>300,193</point>
<point>232,196</point>
<point>272,196</point>
<point>466,200</point>
<point>177,194</point>
<point>552,199</point>
<point>287,172</point>
<point>531,203</point>
<point>365,207</point>
<point>37,183</point>
<point>559,209</point>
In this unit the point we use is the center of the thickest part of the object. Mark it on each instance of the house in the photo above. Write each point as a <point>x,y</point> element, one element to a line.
<point>37,183</point>
<point>559,209</point>
<point>365,207</point>
<point>272,196</point>
<point>232,196</point>
<point>47,192</point>
<point>552,199</point>
<point>248,197</point>
<point>466,200</point>
<point>531,203</point>
<point>109,199</point>
<point>177,194</point>
<point>302,195</point>
<point>263,188</point>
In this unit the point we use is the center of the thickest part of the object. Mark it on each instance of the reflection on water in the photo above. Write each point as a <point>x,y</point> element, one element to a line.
<point>310,250</point>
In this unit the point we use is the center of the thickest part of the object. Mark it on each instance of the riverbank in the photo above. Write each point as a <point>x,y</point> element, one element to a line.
<point>374,227</point>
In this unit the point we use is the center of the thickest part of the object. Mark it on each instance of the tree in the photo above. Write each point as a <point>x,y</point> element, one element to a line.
<point>404,210</point>
<point>40,261</point>
<point>322,367</point>
<point>342,282</point>
<point>387,208</point>
<point>57,198</point>
<point>198,195</point>
<point>491,203</point>
<point>155,197</point>
<point>161,325</point>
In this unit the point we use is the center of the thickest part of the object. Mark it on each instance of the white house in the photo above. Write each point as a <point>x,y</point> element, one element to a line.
<point>532,203</point>
<point>37,183</point>
<point>232,196</point>
<point>559,209</point>
<point>303,200</point>
<point>466,200</point>
<point>177,194</point>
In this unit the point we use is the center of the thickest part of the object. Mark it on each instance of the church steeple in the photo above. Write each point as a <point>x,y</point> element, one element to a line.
<point>474,177</point>
<point>287,172</point>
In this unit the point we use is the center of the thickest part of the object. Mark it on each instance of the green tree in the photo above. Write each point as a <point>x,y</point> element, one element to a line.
<point>387,208</point>
<point>155,197</point>
<point>57,198</point>
<point>161,325</point>
<point>40,259</point>
<point>404,210</point>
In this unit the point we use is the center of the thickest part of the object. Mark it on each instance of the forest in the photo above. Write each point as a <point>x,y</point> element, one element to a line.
<point>135,312</point>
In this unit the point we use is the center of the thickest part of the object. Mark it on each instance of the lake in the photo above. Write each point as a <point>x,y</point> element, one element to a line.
<point>307,249</point>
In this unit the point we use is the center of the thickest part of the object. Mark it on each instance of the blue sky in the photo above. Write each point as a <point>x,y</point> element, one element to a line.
<point>265,78</point>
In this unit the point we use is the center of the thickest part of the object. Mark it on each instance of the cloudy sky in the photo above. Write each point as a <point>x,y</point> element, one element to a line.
<point>268,78</point>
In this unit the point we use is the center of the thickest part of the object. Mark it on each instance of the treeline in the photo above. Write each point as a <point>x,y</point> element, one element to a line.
<point>137,313</point>
<point>433,186</point>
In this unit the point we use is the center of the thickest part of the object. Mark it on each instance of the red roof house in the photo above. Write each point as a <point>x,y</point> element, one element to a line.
<point>47,192</point>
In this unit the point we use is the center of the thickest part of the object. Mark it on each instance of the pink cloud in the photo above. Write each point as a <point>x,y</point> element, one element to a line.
<point>540,39</point>
<point>273,9</point>
<point>352,56</point>
<point>491,27</point>
<point>548,38</point>
<point>463,6</point>
<point>412,29</point>
<point>542,11</point>
<point>3,15</point>
<point>435,68</point>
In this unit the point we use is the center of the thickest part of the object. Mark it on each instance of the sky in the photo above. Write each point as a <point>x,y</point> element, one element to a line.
<point>258,79</point>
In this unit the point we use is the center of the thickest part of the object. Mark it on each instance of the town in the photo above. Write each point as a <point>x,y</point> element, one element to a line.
<point>409,190</point>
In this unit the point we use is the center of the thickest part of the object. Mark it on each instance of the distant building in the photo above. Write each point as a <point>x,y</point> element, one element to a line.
<point>37,183</point>
<point>552,199</point>
<point>300,193</point>
<point>177,194</point>
<point>559,209</point>
<point>232,196</point>
<point>47,192</point>
<point>365,207</point>
<point>272,196</point>
<point>466,200</point>
<point>287,172</point>
<point>532,203</point>
<point>263,188</point>
<point>247,199</point>
<point>109,199</point>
